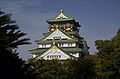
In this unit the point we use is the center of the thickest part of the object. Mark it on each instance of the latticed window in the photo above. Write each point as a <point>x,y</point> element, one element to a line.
<point>48,56</point>
<point>57,37</point>
<point>54,56</point>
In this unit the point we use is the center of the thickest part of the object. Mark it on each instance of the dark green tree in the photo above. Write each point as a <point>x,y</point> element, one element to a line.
<point>10,39</point>
<point>45,69</point>
<point>55,69</point>
<point>84,68</point>
<point>10,35</point>
<point>109,57</point>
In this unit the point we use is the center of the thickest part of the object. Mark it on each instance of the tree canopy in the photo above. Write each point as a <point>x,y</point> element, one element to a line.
<point>109,57</point>
<point>54,69</point>
<point>10,39</point>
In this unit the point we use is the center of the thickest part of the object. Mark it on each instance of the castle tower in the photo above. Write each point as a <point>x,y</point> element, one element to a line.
<point>62,41</point>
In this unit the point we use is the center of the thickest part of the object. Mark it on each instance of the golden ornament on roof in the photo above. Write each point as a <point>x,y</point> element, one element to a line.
<point>61,10</point>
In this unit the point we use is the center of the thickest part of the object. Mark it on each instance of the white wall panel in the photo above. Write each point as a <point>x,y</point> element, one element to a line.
<point>40,46</point>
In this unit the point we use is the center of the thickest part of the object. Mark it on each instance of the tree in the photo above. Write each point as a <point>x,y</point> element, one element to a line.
<point>9,41</point>
<point>109,57</point>
<point>84,68</point>
<point>54,69</point>
<point>46,69</point>
<point>10,34</point>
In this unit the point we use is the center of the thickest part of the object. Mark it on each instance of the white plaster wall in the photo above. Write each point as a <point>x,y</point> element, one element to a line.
<point>44,46</point>
<point>73,44</point>
<point>65,45</point>
<point>48,45</point>
<point>60,45</point>
<point>40,46</point>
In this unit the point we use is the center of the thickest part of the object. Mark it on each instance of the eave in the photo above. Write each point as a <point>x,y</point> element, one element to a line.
<point>67,50</point>
<point>57,41</point>
<point>59,20</point>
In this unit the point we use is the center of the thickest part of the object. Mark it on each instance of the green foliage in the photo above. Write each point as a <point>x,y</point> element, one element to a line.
<point>11,65</point>
<point>84,68</point>
<point>45,69</point>
<point>55,69</point>
<point>109,57</point>
<point>10,34</point>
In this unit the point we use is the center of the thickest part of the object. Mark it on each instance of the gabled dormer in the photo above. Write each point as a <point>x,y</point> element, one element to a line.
<point>58,34</point>
<point>62,15</point>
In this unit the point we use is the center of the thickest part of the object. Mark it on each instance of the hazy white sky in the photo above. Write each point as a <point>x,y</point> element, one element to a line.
<point>100,19</point>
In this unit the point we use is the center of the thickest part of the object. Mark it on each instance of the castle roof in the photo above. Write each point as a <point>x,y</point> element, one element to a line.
<point>61,17</point>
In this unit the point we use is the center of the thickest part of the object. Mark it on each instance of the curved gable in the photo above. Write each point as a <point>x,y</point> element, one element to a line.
<point>54,53</point>
<point>58,34</point>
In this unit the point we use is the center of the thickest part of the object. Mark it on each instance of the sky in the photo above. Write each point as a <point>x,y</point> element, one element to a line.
<point>100,19</point>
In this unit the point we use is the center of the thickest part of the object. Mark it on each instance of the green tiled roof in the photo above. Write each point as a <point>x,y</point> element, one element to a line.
<point>73,32</point>
<point>57,41</point>
<point>48,33</point>
<point>38,50</point>
<point>72,49</point>
<point>67,50</point>
<point>56,20</point>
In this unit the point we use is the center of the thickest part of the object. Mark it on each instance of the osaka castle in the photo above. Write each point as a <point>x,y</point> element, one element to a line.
<point>62,41</point>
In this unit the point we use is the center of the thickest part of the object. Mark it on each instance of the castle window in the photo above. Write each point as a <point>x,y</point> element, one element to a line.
<point>57,37</point>
<point>54,56</point>
<point>65,45</point>
<point>50,56</point>
<point>60,45</point>
<point>59,56</point>
<point>48,45</point>
<point>47,56</point>
<point>73,44</point>
<point>70,45</point>
<point>64,39</point>
<point>43,45</point>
